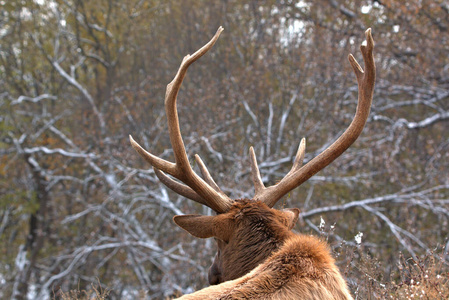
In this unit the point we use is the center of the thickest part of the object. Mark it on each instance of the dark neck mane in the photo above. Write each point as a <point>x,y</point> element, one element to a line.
<point>260,233</point>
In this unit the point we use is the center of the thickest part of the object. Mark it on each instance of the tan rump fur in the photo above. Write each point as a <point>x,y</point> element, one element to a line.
<point>296,271</point>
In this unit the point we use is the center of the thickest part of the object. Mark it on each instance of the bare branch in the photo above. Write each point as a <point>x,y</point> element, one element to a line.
<point>33,99</point>
<point>57,150</point>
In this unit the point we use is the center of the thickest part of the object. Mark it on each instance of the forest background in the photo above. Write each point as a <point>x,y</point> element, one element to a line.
<point>78,207</point>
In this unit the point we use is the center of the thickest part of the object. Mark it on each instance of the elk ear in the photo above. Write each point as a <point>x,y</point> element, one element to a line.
<point>206,226</point>
<point>292,215</point>
<point>197,225</point>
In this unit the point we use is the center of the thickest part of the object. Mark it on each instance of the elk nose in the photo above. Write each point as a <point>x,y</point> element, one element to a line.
<point>214,275</point>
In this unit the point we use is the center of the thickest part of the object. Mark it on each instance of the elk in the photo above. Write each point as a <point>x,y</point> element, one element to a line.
<point>259,257</point>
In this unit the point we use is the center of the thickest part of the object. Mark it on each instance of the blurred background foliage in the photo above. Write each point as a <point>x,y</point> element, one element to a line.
<point>77,204</point>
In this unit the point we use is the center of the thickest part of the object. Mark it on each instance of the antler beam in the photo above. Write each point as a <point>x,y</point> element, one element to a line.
<point>298,175</point>
<point>194,186</point>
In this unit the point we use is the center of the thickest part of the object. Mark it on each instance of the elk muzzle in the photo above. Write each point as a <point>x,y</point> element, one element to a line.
<point>215,275</point>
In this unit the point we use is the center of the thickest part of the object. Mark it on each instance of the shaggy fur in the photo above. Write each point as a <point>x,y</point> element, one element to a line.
<point>284,265</point>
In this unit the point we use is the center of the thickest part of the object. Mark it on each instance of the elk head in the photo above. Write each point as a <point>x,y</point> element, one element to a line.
<point>236,217</point>
<point>246,235</point>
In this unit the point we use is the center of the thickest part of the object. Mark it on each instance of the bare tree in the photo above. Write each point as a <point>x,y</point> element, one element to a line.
<point>77,77</point>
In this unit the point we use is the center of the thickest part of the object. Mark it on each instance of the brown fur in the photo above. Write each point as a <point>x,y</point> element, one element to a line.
<point>284,265</point>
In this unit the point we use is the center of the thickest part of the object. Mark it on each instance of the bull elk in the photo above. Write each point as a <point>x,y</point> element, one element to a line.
<point>259,257</point>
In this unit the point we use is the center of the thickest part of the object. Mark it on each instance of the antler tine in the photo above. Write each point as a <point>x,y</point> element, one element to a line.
<point>258,184</point>
<point>299,158</point>
<point>255,173</point>
<point>298,175</point>
<point>206,175</point>
<point>153,160</point>
<point>179,188</point>
<point>181,169</point>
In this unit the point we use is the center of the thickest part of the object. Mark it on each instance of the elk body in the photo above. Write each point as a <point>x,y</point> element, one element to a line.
<point>259,257</point>
<point>257,241</point>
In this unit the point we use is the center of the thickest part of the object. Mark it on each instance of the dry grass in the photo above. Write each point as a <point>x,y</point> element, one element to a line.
<point>426,277</point>
<point>423,278</point>
<point>95,293</point>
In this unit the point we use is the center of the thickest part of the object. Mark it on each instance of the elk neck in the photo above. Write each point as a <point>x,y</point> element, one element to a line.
<point>259,231</point>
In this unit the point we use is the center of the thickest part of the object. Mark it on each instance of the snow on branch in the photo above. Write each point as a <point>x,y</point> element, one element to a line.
<point>398,197</point>
<point>71,80</point>
<point>33,99</point>
<point>58,151</point>
<point>426,122</point>
<point>443,116</point>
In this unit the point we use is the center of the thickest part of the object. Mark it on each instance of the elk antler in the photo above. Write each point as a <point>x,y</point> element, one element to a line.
<point>298,175</point>
<point>203,191</point>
